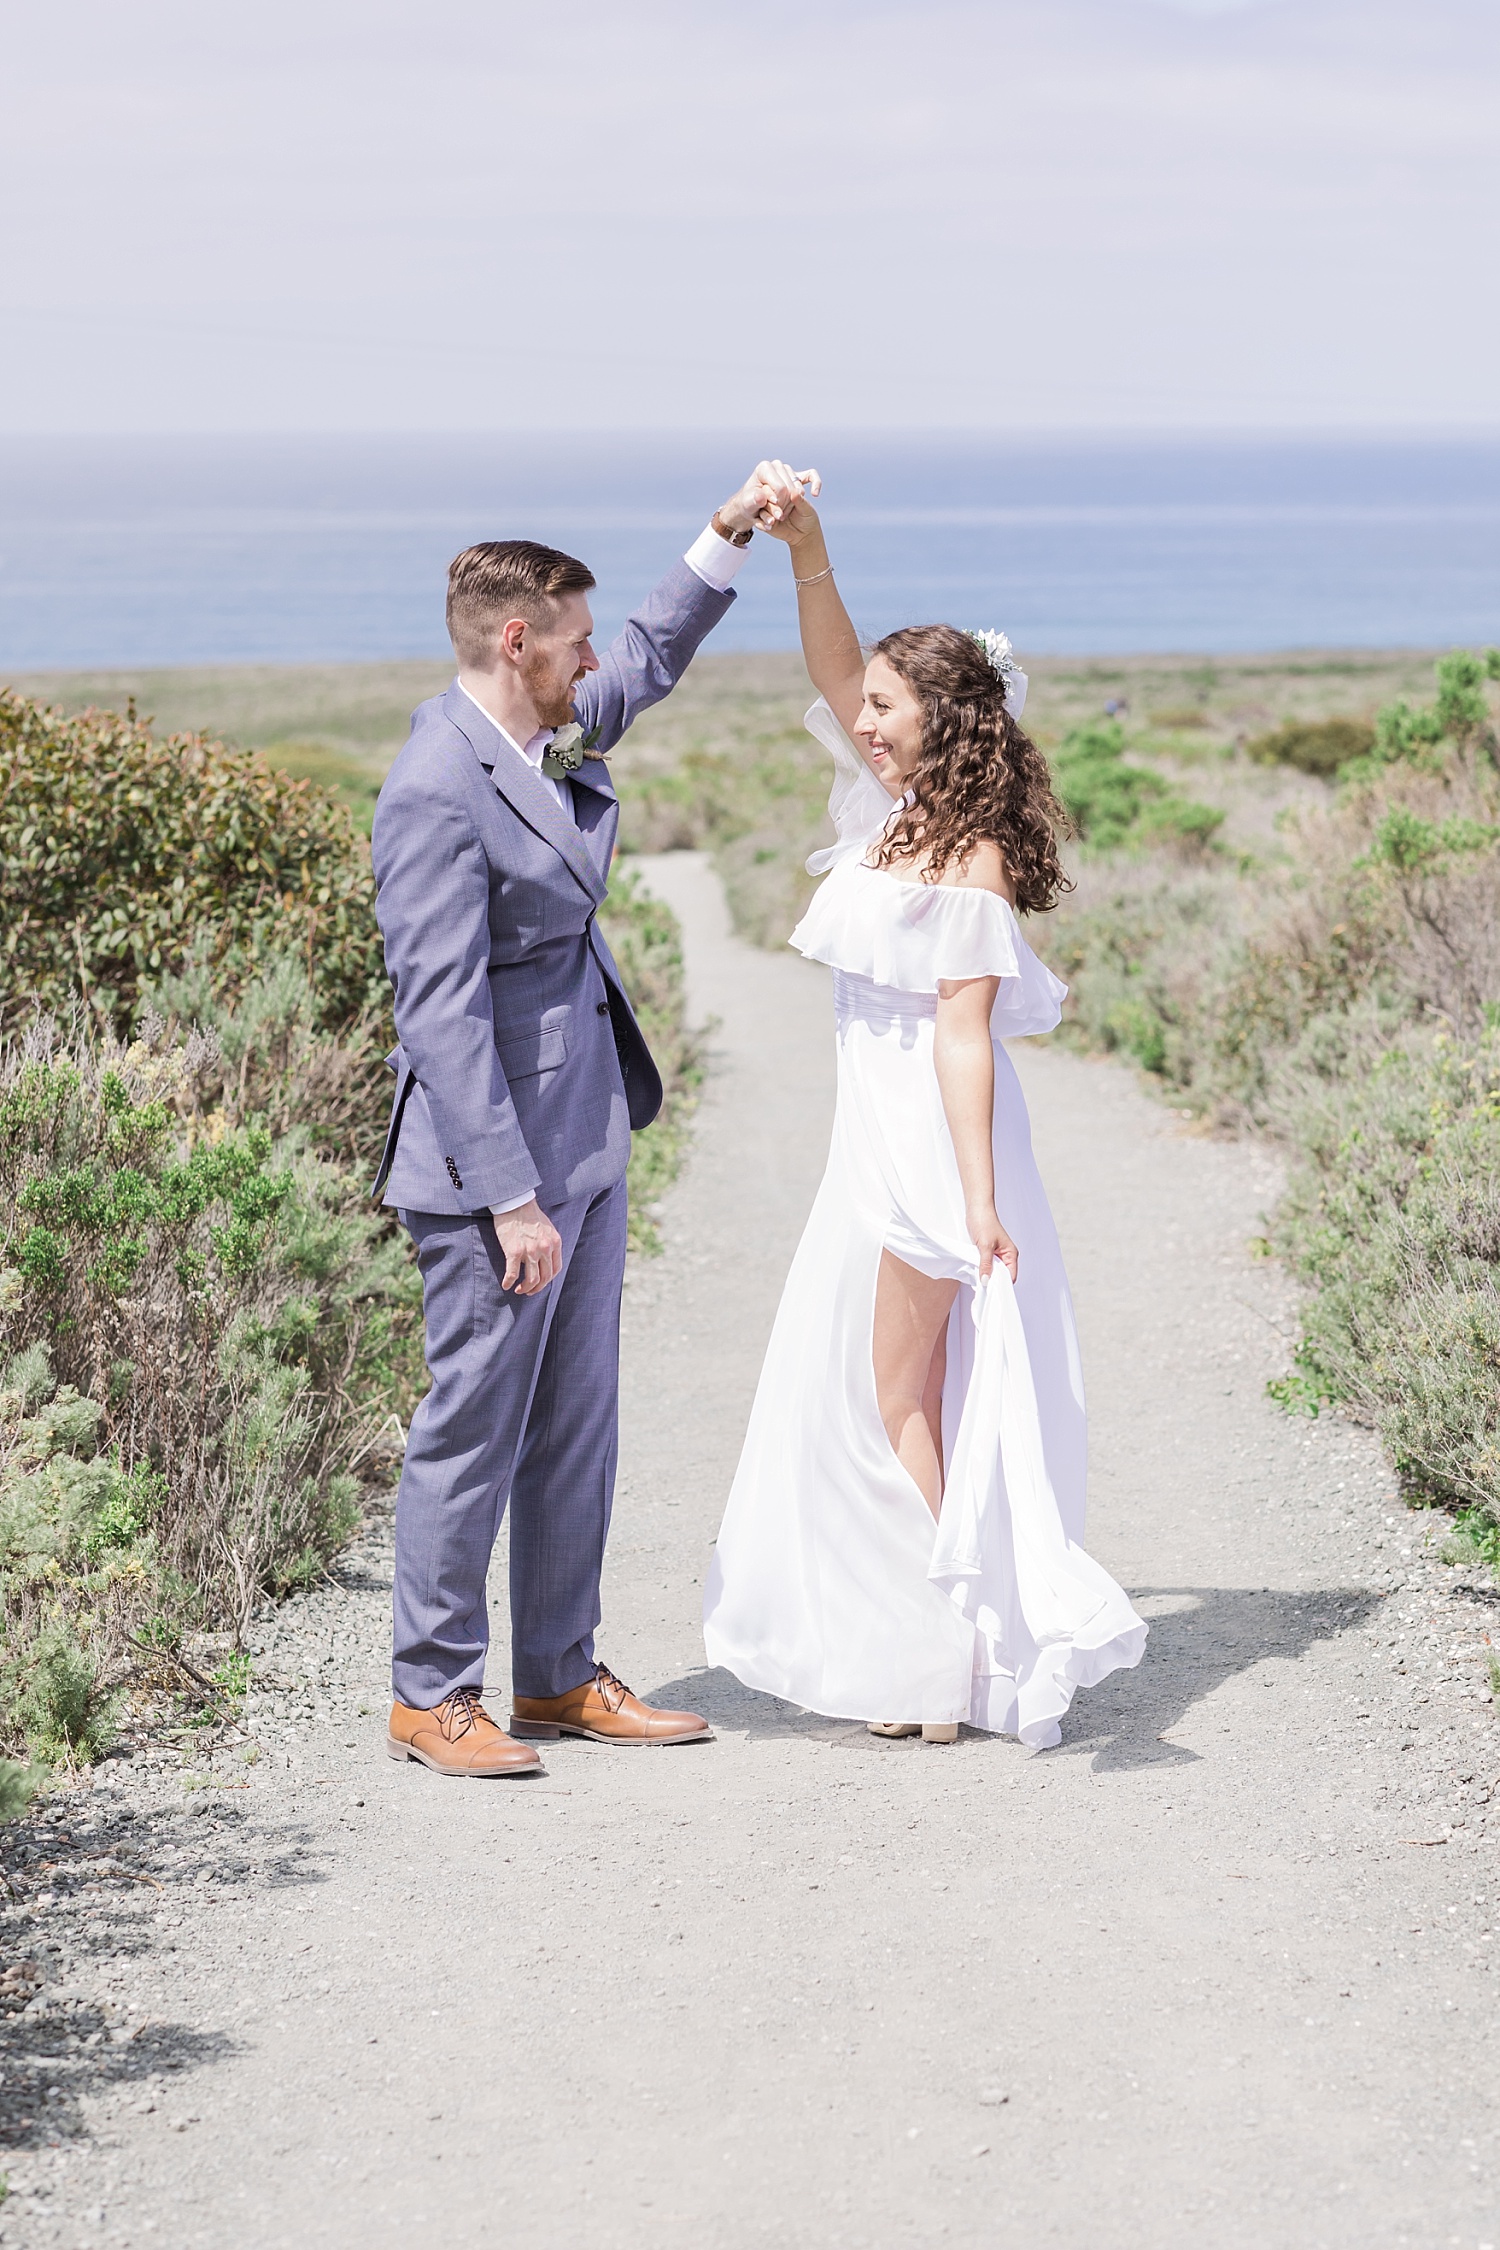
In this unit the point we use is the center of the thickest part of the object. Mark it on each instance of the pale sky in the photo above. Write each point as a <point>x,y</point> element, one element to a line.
<point>435,215</point>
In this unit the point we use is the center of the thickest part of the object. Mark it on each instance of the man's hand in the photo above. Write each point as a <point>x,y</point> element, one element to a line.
<point>770,490</point>
<point>532,1246</point>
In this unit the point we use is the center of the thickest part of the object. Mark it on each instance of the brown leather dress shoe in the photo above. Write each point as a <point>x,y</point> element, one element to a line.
<point>458,1737</point>
<point>602,1710</point>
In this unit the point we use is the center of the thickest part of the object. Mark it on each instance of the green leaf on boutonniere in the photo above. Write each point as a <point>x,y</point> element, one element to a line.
<point>568,749</point>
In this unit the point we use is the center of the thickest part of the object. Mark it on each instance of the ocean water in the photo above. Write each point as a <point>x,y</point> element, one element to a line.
<point>124,552</point>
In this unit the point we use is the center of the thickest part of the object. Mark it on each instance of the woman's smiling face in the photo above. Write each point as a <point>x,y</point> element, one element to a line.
<point>890,725</point>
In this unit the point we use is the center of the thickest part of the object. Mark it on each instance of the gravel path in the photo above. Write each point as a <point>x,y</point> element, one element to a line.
<point>1215,1971</point>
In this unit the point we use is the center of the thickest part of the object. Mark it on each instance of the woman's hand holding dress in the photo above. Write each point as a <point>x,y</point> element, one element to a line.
<point>964,1057</point>
<point>991,1241</point>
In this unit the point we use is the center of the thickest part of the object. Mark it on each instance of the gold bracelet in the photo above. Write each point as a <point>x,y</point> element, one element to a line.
<point>816,578</point>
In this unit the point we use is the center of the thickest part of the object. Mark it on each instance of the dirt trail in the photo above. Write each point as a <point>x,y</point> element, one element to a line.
<point>1186,1980</point>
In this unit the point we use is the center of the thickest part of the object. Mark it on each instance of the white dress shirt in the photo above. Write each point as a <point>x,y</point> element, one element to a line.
<point>718,564</point>
<point>533,751</point>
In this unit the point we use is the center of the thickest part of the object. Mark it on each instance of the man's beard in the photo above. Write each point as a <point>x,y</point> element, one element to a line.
<point>553,704</point>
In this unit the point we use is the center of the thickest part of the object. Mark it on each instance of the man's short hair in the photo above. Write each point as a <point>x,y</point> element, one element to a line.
<point>504,578</point>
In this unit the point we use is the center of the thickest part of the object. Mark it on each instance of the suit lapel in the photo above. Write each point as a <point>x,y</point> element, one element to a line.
<point>593,794</point>
<point>523,789</point>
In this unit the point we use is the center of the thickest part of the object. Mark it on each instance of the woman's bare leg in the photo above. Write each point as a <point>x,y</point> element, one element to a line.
<point>911,1318</point>
<point>932,1398</point>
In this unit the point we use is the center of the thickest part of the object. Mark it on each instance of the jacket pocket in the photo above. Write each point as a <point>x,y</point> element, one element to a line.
<point>532,1052</point>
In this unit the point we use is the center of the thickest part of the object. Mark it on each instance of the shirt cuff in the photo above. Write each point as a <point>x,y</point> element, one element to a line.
<point>498,1210</point>
<point>715,561</point>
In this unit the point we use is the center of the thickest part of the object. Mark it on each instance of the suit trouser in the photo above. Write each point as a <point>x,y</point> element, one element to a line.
<point>524,1406</point>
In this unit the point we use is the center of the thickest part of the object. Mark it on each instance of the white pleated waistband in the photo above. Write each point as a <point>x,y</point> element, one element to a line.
<point>860,1000</point>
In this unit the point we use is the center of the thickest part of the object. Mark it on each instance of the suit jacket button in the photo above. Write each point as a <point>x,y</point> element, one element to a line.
<point>602,1009</point>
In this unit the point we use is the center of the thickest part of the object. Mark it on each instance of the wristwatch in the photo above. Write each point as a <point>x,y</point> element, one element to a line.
<point>735,538</point>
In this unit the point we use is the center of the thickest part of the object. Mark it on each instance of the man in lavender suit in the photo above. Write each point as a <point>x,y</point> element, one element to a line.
<point>520,1074</point>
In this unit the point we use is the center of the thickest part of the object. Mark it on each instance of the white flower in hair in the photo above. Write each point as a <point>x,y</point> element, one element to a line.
<point>1001,659</point>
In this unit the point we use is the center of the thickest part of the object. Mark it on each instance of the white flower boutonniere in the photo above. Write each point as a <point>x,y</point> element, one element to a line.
<point>567,750</point>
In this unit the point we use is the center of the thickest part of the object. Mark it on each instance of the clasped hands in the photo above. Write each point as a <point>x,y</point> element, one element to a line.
<point>768,499</point>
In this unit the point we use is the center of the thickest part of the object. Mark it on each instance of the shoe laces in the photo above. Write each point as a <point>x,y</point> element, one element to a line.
<point>612,1690</point>
<point>461,1713</point>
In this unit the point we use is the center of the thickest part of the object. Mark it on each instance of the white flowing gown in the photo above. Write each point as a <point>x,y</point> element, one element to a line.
<point>830,1584</point>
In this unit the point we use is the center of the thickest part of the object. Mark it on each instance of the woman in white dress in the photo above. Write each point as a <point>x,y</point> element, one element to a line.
<point>902,1542</point>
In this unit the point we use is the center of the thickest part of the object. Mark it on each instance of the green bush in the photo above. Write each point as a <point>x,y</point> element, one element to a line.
<point>1349,1001</point>
<point>1317,746</point>
<point>1115,805</point>
<point>1209,976</point>
<point>121,855</point>
<point>1453,736</point>
<point>203,1329</point>
<point>273,1065</point>
<point>64,1704</point>
<point>1393,1222</point>
<point>17,1786</point>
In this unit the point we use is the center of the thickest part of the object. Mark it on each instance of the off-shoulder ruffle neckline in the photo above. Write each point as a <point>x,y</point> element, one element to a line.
<point>939,890</point>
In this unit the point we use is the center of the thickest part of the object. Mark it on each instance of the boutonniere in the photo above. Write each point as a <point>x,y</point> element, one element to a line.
<point>567,750</point>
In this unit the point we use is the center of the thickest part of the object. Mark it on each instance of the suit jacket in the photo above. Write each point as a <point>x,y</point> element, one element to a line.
<point>521,1067</point>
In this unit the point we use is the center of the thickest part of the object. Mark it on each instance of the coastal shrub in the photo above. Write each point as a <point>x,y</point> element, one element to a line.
<point>1317,746</point>
<point>204,1332</point>
<point>124,855</point>
<point>1347,999</point>
<point>17,1786</point>
<point>1115,804</point>
<point>273,1064</point>
<point>1134,944</point>
<point>1208,976</point>
<point>1392,1220</point>
<point>1453,737</point>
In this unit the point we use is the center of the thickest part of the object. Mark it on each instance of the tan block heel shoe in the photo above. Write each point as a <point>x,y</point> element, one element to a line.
<point>891,1730</point>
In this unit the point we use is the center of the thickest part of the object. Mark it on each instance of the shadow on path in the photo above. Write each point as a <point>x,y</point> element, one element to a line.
<point>1200,1637</point>
<point>85,1855</point>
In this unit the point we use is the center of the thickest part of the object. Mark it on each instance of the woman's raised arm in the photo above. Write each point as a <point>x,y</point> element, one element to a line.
<point>830,645</point>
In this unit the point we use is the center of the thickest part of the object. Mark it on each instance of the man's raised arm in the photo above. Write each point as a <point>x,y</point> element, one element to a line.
<point>656,645</point>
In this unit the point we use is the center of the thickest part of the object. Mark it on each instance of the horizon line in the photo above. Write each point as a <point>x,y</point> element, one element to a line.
<point>812,431</point>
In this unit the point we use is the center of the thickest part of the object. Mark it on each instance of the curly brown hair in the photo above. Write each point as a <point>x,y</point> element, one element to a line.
<point>980,774</point>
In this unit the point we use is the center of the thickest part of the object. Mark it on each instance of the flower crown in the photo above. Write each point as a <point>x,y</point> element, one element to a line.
<point>1000,657</point>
